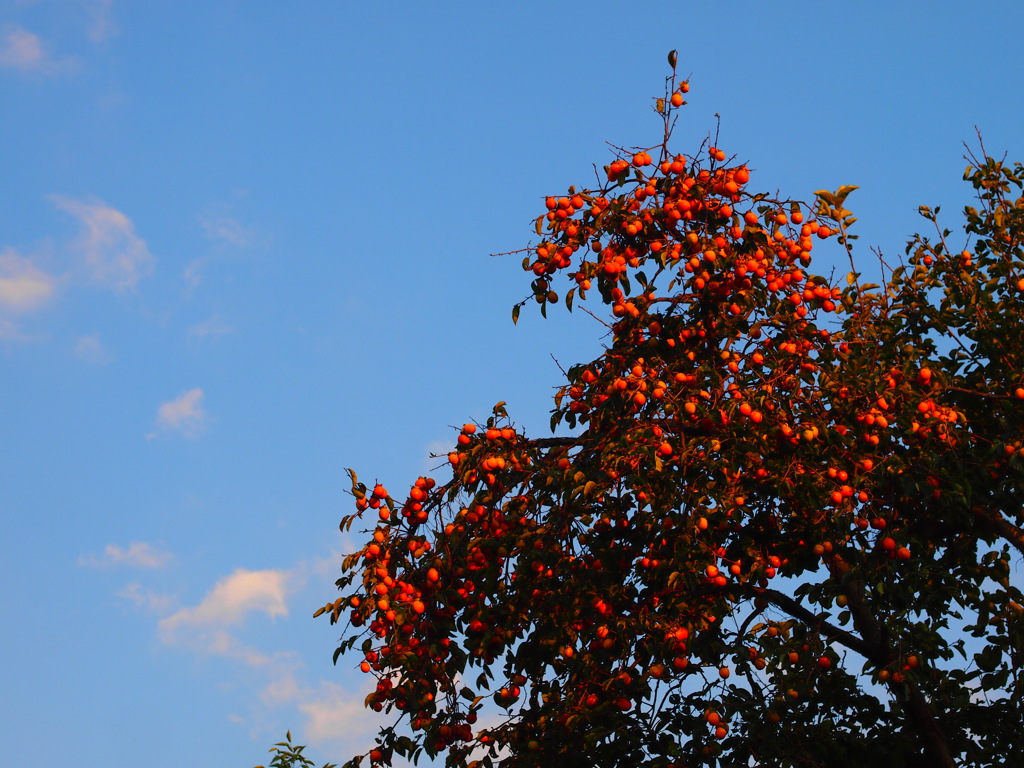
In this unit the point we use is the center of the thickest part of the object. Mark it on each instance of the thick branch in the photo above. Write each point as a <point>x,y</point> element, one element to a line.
<point>874,634</point>
<point>999,525</point>
<point>832,632</point>
<point>918,711</point>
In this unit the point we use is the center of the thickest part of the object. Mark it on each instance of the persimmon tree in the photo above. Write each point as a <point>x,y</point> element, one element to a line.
<point>780,520</point>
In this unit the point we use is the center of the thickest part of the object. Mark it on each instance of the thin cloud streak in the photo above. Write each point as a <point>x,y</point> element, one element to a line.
<point>210,328</point>
<point>139,554</point>
<point>114,255</point>
<point>143,598</point>
<point>228,230</point>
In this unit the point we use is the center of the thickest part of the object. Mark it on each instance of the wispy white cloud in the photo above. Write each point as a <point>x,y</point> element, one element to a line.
<point>324,568</point>
<point>207,627</point>
<point>220,626</point>
<point>210,328</point>
<point>20,49</point>
<point>144,598</point>
<point>193,275</point>
<point>24,51</point>
<point>228,237</point>
<point>11,331</point>
<point>91,350</point>
<point>333,715</point>
<point>139,554</point>
<point>23,286</point>
<point>101,18</point>
<point>113,253</point>
<point>228,230</point>
<point>184,414</point>
<point>236,596</point>
<point>284,688</point>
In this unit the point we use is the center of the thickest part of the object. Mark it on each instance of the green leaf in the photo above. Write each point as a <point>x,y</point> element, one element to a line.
<point>515,313</point>
<point>673,58</point>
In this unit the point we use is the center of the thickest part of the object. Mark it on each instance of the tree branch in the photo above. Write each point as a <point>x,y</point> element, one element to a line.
<point>999,525</point>
<point>933,739</point>
<point>824,628</point>
<point>555,442</point>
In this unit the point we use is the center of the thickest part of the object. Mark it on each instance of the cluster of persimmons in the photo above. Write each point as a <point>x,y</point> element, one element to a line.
<point>768,491</point>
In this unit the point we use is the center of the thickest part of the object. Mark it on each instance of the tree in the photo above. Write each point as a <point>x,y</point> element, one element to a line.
<point>782,527</point>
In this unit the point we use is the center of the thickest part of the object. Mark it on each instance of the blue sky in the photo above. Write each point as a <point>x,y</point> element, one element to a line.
<point>244,245</point>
